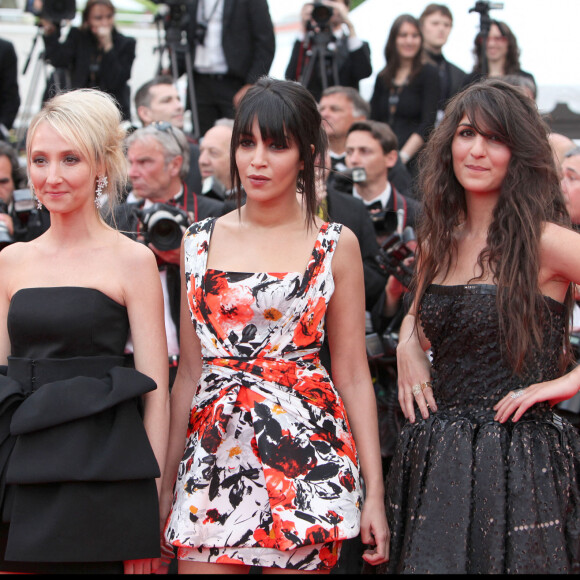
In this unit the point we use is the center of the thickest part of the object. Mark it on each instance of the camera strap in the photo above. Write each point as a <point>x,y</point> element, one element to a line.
<point>205,19</point>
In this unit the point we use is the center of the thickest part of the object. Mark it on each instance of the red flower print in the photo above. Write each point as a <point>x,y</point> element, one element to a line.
<point>317,535</point>
<point>347,480</point>
<point>230,307</point>
<point>306,331</point>
<point>328,554</point>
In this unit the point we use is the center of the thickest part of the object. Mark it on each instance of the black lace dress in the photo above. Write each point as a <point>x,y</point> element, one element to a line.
<point>466,494</point>
<point>77,472</point>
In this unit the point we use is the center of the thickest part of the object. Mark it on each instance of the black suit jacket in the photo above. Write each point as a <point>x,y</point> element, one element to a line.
<point>9,95</point>
<point>350,212</point>
<point>80,49</point>
<point>352,67</point>
<point>247,37</point>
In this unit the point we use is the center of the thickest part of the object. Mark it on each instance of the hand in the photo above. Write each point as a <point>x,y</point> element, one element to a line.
<point>48,27</point>
<point>104,35</point>
<point>168,256</point>
<point>375,531</point>
<point>6,220</point>
<point>145,566</point>
<point>414,369</point>
<point>555,391</point>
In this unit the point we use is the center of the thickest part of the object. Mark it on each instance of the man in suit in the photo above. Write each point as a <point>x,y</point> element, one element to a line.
<point>232,44</point>
<point>10,101</point>
<point>371,146</point>
<point>436,22</point>
<point>158,157</point>
<point>158,101</point>
<point>339,108</point>
<point>347,57</point>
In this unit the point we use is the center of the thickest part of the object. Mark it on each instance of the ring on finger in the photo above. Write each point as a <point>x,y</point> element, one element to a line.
<point>517,394</point>
<point>426,384</point>
<point>416,389</point>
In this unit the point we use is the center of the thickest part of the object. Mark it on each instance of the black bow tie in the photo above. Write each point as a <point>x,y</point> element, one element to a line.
<point>375,206</point>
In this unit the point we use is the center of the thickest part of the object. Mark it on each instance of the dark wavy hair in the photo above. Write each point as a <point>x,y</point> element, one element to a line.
<point>512,58</point>
<point>530,196</point>
<point>391,54</point>
<point>285,111</point>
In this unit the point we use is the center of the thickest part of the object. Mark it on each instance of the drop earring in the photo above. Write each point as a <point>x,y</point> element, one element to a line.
<point>38,202</point>
<point>101,184</point>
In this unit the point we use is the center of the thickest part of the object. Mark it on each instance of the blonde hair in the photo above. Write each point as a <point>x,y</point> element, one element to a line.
<point>91,121</point>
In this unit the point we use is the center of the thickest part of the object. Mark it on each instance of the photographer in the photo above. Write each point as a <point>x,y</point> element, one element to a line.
<point>158,157</point>
<point>327,32</point>
<point>20,220</point>
<point>96,55</point>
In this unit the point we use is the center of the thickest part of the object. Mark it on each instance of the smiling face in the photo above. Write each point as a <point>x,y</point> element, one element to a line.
<point>480,162</point>
<point>497,45</point>
<point>408,42</point>
<point>62,177</point>
<point>268,169</point>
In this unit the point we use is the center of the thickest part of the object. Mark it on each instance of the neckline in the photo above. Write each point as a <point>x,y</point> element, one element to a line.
<point>302,275</point>
<point>480,289</point>
<point>87,288</point>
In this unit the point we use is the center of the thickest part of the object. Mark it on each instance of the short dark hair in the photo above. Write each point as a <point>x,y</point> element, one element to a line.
<point>18,172</point>
<point>143,94</point>
<point>433,9</point>
<point>361,107</point>
<point>379,131</point>
<point>284,110</point>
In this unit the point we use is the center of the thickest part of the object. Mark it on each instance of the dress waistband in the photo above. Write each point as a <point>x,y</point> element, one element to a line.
<point>37,372</point>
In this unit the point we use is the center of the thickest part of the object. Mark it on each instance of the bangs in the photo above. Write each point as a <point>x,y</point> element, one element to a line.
<point>276,119</point>
<point>486,123</point>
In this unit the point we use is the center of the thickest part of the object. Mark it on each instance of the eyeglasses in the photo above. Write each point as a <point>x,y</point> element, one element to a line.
<point>166,127</point>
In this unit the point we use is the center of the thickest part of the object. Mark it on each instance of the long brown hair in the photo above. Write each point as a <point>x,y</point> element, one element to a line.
<point>392,55</point>
<point>512,58</point>
<point>530,196</point>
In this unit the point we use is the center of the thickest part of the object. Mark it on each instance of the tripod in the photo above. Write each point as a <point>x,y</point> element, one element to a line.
<point>319,52</point>
<point>38,71</point>
<point>174,45</point>
<point>483,9</point>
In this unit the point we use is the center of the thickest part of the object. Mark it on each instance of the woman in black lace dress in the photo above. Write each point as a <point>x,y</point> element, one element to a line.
<point>485,475</point>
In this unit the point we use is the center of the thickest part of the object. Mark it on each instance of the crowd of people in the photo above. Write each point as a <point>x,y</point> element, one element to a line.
<point>315,334</point>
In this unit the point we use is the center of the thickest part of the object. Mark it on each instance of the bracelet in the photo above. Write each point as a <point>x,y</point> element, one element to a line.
<point>404,156</point>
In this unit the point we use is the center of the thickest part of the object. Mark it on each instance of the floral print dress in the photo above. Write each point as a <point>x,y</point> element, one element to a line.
<point>269,475</point>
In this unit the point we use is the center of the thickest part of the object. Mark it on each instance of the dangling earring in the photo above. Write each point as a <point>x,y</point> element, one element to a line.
<point>38,202</point>
<point>101,184</point>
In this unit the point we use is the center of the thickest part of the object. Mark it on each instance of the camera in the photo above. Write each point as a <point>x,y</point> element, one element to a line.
<point>393,253</point>
<point>176,16</point>
<point>5,237</point>
<point>343,180</point>
<point>23,207</point>
<point>55,10</point>
<point>321,14</point>
<point>163,226</point>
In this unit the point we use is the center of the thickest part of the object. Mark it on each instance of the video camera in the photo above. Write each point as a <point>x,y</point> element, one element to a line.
<point>23,206</point>
<point>55,10</point>
<point>163,225</point>
<point>176,17</point>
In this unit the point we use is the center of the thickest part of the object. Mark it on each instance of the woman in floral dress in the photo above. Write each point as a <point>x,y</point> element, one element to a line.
<point>262,464</point>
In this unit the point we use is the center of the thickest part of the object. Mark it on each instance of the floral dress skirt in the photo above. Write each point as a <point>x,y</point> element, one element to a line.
<point>270,474</point>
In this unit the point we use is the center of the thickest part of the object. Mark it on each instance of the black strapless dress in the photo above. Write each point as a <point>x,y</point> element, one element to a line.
<point>466,494</point>
<point>77,485</point>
